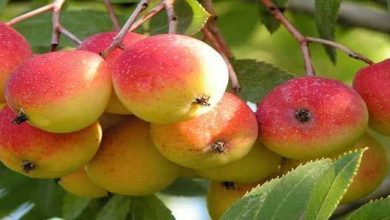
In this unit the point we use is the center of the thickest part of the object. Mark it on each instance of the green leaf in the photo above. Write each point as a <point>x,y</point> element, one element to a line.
<point>149,207</point>
<point>187,187</point>
<point>332,186</point>
<point>267,18</point>
<point>326,12</point>
<point>257,78</point>
<point>284,198</point>
<point>117,208</point>
<point>82,23</point>
<point>3,3</point>
<point>379,209</point>
<point>191,18</point>
<point>73,206</point>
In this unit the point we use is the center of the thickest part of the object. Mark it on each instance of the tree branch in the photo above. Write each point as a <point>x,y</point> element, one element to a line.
<point>142,5</point>
<point>274,10</point>
<point>172,19</point>
<point>148,16</point>
<point>352,14</point>
<point>30,14</point>
<point>113,17</point>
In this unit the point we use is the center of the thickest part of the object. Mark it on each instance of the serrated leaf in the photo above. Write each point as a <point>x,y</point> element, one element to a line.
<point>83,23</point>
<point>332,186</point>
<point>117,208</point>
<point>187,187</point>
<point>326,12</point>
<point>257,78</point>
<point>267,18</point>
<point>379,209</point>
<point>191,18</point>
<point>149,207</point>
<point>73,206</point>
<point>284,198</point>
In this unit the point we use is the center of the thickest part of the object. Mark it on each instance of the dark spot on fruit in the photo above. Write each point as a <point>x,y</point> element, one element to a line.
<point>218,146</point>
<point>27,166</point>
<point>20,118</point>
<point>202,100</point>
<point>228,185</point>
<point>302,115</point>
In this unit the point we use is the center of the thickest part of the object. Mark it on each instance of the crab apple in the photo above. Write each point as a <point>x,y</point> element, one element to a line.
<point>372,170</point>
<point>78,183</point>
<point>373,84</point>
<point>97,43</point>
<point>221,195</point>
<point>128,162</point>
<point>39,154</point>
<point>14,49</point>
<point>258,164</point>
<point>60,92</point>
<point>218,137</point>
<point>169,78</point>
<point>309,117</point>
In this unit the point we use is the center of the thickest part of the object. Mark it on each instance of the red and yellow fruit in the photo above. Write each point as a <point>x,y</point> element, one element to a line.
<point>128,162</point>
<point>310,117</point>
<point>169,78</point>
<point>221,136</point>
<point>14,49</point>
<point>36,153</point>
<point>61,91</point>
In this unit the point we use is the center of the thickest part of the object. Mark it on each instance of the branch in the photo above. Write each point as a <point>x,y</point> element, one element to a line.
<point>212,26</point>
<point>351,13</point>
<point>56,32</point>
<point>232,74</point>
<point>343,48</point>
<point>113,17</point>
<point>148,16</point>
<point>142,5</point>
<point>30,14</point>
<point>172,19</point>
<point>274,10</point>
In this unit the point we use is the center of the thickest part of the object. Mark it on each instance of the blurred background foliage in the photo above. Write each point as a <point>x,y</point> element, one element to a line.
<point>247,37</point>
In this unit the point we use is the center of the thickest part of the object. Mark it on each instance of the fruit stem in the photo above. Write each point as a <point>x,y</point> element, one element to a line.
<point>30,14</point>
<point>172,18</point>
<point>341,47</point>
<point>117,40</point>
<point>158,8</point>
<point>303,43</point>
<point>27,166</point>
<point>232,73</point>
<point>112,15</point>
<point>20,118</point>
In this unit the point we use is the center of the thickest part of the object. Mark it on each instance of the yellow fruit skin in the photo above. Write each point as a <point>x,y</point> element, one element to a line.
<point>115,106</point>
<point>79,184</point>
<point>258,164</point>
<point>128,162</point>
<point>220,197</point>
<point>372,170</point>
<point>189,173</point>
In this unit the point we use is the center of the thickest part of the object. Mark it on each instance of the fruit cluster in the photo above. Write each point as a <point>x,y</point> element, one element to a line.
<point>68,116</point>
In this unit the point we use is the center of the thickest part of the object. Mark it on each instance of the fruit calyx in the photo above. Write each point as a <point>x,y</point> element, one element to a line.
<point>218,146</point>
<point>228,185</point>
<point>27,166</point>
<point>203,100</point>
<point>303,115</point>
<point>20,118</point>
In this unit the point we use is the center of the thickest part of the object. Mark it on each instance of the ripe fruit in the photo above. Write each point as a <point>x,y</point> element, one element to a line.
<point>36,153</point>
<point>221,195</point>
<point>97,43</point>
<point>373,84</point>
<point>221,136</point>
<point>258,164</point>
<point>169,78</point>
<point>372,170</point>
<point>309,117</point>
<point>60,92</point>
<point>128,162</point>
<point>79,184</point>
<point>14,49</point>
